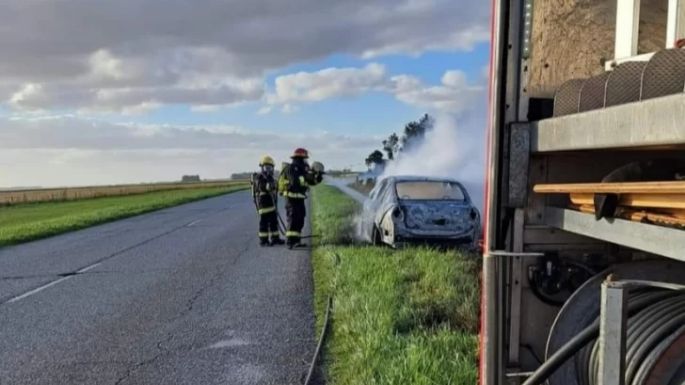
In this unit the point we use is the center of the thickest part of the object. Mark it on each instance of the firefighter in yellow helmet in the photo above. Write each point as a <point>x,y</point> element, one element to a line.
<point>299,177</point>
<point>264,191</point>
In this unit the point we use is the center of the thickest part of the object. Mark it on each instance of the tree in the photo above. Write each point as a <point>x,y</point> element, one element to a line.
<point>391,146</point>
<point>375,157</point>
<point>414,132</point>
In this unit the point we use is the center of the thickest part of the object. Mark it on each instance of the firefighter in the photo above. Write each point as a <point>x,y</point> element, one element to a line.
<point>264,194</point>
<point>299,177</point>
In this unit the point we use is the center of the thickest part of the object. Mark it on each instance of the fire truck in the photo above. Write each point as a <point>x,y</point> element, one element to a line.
<point>584,235</point>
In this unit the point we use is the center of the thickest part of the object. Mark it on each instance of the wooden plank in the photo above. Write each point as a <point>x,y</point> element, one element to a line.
<point>665,187</point>
<point>664,201</point>
<point>665,219</point>
<point>678,213</point>
<point>639,215</point>
<point>660,201</point>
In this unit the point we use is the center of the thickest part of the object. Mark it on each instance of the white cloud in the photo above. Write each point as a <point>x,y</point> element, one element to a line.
<point>28,91</point>
<point>289,109</point>
<point>67,150</point>
<point>150,51</point>
<point>453,96</point>
<point>327,84</point>
<point>104,65</point>
<point>132,56</point>
<point>265,110</point>
<point>92,98</point>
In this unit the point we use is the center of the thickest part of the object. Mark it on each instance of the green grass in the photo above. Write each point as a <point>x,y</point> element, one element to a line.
<point>26,222</point>
<point>400,317</point>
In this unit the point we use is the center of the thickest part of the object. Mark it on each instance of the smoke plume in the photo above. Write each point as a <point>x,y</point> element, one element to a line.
<point>449,151</point>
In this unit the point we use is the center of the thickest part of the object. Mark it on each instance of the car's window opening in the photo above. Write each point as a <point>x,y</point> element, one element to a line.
<point>429,190</point>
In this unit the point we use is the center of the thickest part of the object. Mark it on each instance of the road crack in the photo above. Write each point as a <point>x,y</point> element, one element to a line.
<point>161,351</point>
<point>221,272</point>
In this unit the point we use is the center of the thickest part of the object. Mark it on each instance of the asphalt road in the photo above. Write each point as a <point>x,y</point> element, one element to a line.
<point>179,296</point>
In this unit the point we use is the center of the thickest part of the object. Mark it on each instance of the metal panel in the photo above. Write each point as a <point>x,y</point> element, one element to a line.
<point>538,173</point>
<point>627,27</point>
<point>514,342</point>
<point>490,350</point>
<point>544,235</point>
<point>659,240</point>
<point>489,347</point>
<point>664,74</point>
<point>655,122</point>
<point>593,92</point>
<point>567,97</point>
<point>497,68</point>
<point>612,334</point>
<point>519,156</point>
<point>623,84</point>
<point>511,94</point>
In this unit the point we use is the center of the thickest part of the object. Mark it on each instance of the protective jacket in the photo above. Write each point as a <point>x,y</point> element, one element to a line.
<point>265,193</point>
<point>300,177</point>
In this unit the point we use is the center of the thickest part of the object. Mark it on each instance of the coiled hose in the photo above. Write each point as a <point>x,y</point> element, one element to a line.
<point>646,330</point>
<point>653,316</point>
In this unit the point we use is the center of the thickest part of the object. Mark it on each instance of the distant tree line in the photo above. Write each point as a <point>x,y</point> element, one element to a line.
<point>248,175</point>
<point>190,178</point>
<point>241,175</point>
<point>413,134</point>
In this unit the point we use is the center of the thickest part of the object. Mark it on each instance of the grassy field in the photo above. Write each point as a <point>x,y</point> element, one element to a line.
<point>14,197</point>
<point>30,221</point>
<point>400,317</point>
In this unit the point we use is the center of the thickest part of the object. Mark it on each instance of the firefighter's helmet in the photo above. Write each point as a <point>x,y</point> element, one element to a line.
<point>300,153</point>
<point>266,160</point>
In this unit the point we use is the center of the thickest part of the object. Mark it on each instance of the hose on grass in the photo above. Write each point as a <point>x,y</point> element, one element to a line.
<point>326,324</point>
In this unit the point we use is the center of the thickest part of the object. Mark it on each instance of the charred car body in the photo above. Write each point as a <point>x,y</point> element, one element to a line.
<point>411,209</point>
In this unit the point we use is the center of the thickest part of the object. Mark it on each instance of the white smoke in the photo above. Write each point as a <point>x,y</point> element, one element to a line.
<point>448,151</point>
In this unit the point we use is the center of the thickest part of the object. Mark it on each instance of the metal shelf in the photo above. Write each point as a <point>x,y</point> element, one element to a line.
<point>649,123</point>
<point>654,239</point>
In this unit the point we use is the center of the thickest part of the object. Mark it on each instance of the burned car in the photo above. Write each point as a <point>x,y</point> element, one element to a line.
<point>411,209</point>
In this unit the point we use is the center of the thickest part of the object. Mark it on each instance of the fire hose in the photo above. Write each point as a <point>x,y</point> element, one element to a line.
<point>326,323</point>
<point>655,317</point>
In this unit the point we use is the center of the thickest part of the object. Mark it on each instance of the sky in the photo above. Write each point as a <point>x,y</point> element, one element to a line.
<point>132,91</point>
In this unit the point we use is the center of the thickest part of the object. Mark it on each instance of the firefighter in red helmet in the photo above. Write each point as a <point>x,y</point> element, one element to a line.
<point>300,176</point>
